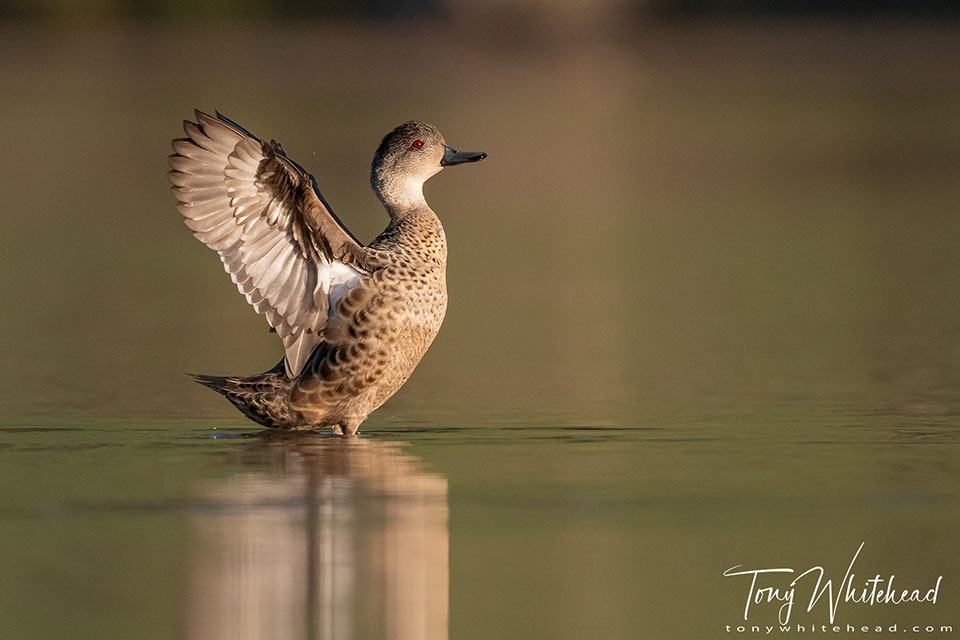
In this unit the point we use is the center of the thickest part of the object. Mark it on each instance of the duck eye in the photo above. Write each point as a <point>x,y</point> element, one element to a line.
<point>417,144</point>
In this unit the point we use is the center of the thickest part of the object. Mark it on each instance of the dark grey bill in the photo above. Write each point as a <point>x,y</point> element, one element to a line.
<point>452,156</point>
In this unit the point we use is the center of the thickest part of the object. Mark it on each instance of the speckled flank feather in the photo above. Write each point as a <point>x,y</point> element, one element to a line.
<point>354,321</point>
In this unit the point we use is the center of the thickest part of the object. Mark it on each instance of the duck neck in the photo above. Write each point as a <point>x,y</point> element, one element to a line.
<point>414,228</point>
<point>400,195</point>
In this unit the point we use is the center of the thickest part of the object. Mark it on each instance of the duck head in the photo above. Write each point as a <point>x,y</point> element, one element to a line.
<point>408,156</point>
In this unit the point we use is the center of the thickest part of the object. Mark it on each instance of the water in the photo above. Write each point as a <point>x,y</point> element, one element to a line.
<point>703,313</point>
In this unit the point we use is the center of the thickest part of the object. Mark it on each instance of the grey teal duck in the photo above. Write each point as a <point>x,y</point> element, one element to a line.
<point>354,320</point>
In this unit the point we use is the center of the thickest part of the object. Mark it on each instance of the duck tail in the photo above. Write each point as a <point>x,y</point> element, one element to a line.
<point>226,384</point>
<point>220,384</point>
<point>259,397</point>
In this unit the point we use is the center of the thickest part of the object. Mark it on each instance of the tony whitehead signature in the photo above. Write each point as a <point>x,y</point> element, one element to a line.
<point>875,590</point>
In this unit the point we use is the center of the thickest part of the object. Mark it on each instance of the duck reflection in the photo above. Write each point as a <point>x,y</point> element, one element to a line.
<point>322,538</point>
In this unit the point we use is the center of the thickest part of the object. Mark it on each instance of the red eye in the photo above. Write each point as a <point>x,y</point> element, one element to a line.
<point>417,144</point>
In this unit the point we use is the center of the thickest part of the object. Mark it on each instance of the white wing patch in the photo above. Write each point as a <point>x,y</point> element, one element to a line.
<point>338,279</point>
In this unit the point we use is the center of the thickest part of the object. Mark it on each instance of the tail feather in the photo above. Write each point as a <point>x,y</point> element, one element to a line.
<point>220,384</point>
<point>262,398</point>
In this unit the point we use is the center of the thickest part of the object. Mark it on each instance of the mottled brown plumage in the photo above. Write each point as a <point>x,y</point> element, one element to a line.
<point>354,320</point>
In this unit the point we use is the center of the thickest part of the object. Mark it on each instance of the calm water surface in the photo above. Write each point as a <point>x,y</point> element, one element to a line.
<point>704,312</point>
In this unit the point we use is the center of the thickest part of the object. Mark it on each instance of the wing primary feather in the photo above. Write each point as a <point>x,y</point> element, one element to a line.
<point>233,124</point>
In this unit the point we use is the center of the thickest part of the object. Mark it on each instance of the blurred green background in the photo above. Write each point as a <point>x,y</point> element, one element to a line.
<point>703,312</point>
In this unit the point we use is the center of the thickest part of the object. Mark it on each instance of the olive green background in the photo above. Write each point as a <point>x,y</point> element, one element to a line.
<point>704,312</point>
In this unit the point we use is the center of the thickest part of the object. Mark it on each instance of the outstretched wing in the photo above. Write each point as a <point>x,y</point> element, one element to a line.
<point>264,215</point>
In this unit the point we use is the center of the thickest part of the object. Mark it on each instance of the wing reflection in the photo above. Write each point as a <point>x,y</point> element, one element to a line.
<point>322,538</point>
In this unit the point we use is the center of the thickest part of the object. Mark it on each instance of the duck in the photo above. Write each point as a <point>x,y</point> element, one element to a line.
<point>354,320</point>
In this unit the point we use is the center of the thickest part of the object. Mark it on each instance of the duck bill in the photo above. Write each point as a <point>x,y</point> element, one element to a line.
<point>452,156</point>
